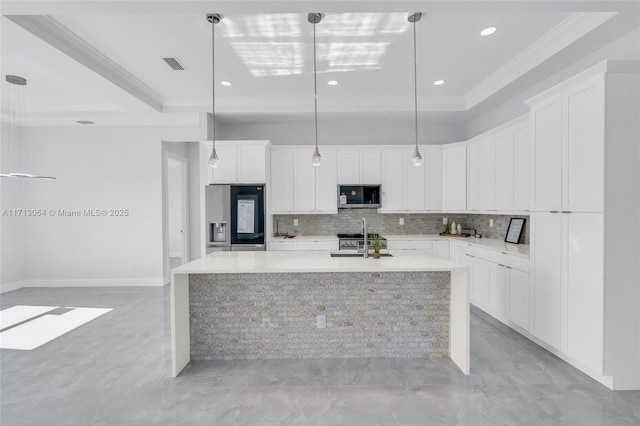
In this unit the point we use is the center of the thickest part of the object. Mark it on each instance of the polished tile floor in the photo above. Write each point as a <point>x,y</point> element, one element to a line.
<point>114,371</point>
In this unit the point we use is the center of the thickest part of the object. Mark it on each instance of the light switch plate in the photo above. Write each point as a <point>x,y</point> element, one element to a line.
<point>295,222</point>
<point>321,321</point>
<point>491,223</point>
<point>401,221</point>
<point>445,220</point>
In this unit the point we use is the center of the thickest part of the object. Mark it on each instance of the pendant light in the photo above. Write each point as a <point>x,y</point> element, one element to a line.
<point>213,18</point>
<point>416,158</point>
<point>314,18</point>
<point>16,108</point>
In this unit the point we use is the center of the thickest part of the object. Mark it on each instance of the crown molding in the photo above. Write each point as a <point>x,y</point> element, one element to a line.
<point>60,37</point>
<point>565,33</point>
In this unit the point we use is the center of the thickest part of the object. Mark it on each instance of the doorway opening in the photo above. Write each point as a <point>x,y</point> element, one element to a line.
<point>177,209</point>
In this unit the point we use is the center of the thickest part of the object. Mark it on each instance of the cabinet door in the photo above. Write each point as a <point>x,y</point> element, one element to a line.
<point>546,128</point>
<point>504,177</point>
<point>522,169</point>
<point>454,164</point>
<point>280,246</point>
<point>370,167</point>
<point>497,289</point>
<point>583,171</point>
<point>546,262</point>
<point>304,182</point>
<point>393,180</point>
<point>583,262</point>
<point>487,175</point>
<point>327,183</point>
<point>414,182</point>
<point>433,175</point>
<point>442,248</point>
<point>281,181</point>
<point>473,176</point>
<point>226,172</point>
<point>518,298</point>
<point>348,167</point>
<point>481,283</point>
<point>251,164</point>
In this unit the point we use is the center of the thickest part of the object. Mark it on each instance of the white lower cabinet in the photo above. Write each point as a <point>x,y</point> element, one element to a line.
<point>518,300</point>
<point>306,245</point>
<point>442,248</point>
<point>568,284</point>
<point>499,283</point>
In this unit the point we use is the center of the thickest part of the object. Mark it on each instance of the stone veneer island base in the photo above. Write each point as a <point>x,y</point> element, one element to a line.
<point>248,305</point>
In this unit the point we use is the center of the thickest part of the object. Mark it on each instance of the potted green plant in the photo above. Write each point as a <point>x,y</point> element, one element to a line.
<point>377,242</point>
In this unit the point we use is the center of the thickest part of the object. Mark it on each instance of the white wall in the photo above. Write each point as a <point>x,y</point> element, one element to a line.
<point>360,130</point>
<point>96,168</point>
<point>11,190</point>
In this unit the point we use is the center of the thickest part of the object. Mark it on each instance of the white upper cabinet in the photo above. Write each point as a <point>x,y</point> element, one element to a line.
<point>240,162</point>
<point>299,187</point>
<point>415,182</point>
<point>487,175</point>
<point>473,176</point>
<point>281,184</point>
<point>568,133</point>
<point>583,147</point>
<point>454,176</point>
<point>522,170</point>
<point>348,167</point>
<point>359,167</point>
<point>433,175</point>
<point>327,182</point>
<point>546,129</point>
<point>370,167</point>
<point>504,171</point>
<point>304,182</point>
<point>498,169</point>
<point>393,188</point>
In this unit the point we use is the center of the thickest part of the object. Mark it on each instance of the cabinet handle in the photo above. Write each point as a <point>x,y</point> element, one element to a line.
<point>508,267</point>
<point>566,211</point>
<point>554,211</point>
<point>504,252</point>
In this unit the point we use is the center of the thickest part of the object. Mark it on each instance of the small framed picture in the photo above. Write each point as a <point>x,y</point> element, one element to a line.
<point>516,225</point>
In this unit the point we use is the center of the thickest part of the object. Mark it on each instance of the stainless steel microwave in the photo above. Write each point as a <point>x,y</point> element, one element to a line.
<point>359,197</point>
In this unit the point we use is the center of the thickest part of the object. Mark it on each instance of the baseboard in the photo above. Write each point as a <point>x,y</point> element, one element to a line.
<point>97,282</point>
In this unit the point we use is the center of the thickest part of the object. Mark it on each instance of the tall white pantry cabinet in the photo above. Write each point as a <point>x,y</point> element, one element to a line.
<point>585,293</point>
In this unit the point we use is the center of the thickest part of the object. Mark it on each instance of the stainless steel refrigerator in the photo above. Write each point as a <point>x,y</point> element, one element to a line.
<point>235,217</point>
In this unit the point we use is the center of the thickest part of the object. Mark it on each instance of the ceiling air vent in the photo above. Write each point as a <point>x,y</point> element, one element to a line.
<point>174,63</point>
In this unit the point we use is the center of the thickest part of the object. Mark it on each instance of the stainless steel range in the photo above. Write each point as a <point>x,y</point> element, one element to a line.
<point>356,241</point>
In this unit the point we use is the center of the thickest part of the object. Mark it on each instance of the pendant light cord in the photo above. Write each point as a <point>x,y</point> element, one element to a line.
<point>213,73</point>
<point>415,84</point>
<point>315,84</point>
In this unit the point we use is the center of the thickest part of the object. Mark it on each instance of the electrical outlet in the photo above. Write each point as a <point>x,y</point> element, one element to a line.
<point>295,222</point>
<point>445,220</point>
<point>321,320</point>
<point>491,223</point>
<point>401,221</point>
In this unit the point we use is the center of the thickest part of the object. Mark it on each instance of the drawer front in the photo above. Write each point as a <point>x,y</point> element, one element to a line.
<point>410,245</point>
<point>280,246</point>
<point>315,245</point>
<point>515,262</point>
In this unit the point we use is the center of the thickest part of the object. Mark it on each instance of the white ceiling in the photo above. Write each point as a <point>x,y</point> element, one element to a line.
<point>102,61</point>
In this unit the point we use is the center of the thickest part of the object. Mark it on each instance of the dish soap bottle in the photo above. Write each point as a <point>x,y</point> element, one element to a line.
<point>453,227</point>
<point>459,229</point>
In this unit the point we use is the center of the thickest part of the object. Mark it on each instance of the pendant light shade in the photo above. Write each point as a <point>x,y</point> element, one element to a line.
<point>213,18</point>
<point>314,18</point>
<point>416,158</point>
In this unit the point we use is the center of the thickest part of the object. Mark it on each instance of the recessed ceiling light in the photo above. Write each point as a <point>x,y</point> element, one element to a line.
<point>225,83</point>
<point>332,82</point>
<point>488,31</point>
<point>438,82</point>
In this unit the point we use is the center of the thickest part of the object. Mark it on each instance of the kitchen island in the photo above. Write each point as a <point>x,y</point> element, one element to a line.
<point>304,304</point>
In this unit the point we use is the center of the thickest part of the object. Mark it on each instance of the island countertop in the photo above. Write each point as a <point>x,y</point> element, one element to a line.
<point>314,261</point>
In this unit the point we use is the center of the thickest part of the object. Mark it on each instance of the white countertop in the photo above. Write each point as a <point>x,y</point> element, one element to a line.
<point>314,261</point>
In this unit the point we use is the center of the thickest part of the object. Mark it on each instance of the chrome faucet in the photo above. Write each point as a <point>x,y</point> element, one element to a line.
<point>365,248</point>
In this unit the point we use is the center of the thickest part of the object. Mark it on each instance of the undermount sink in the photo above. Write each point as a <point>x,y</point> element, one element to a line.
<point>355,254</point>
